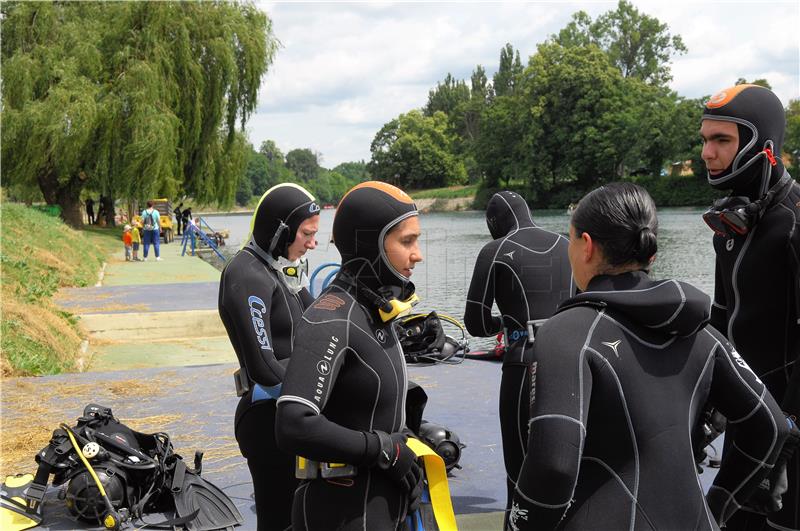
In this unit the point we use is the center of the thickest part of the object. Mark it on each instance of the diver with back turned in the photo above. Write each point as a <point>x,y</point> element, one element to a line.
<point>262,296</point>
<point>757,245</point>
<point>342,406</point>
<point>526,270</point>
<point>623,373</point>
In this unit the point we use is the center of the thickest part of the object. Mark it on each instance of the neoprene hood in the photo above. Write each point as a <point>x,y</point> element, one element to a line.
<point>365,215</point>
<point>507,211</point>
<point>761,121</point>
<point>278,215</point>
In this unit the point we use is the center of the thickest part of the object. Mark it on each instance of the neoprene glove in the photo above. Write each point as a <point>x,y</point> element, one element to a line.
<point>400,464</point>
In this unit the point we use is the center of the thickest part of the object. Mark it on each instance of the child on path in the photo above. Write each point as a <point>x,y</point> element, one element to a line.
<point>136,237</point>
<point>127,239</point>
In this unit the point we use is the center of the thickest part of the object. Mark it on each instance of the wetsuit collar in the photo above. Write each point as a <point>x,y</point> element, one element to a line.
<point>673,307</point>
<point>294,275</point>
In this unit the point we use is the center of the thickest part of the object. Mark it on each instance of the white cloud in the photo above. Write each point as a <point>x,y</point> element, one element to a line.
<point>345,69</point>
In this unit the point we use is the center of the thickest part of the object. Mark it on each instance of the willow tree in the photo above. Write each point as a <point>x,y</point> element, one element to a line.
<point>134,99</point>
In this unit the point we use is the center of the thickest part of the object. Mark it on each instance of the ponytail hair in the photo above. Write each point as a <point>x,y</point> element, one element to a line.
<point>621,219</point>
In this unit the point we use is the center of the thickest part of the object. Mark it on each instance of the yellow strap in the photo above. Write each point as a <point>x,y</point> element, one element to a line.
<point>437,485</point>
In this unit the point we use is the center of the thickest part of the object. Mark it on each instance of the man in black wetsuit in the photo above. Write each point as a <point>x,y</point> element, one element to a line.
<point>343,398</point>
<point>526,270</point>
<point>757,243</point>
<point>262,295</point>
<point>623,372</point>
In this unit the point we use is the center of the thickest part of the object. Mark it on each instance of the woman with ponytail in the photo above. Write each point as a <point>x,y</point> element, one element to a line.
<point>619,379</point>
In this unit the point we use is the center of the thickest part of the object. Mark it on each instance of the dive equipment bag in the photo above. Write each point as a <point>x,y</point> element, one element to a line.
<point>112,475</point>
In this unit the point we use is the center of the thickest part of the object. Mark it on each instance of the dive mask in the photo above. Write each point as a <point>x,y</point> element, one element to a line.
<point>731,216</point>
<point>736,215</point>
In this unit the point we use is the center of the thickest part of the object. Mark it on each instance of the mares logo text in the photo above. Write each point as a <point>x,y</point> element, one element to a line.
<point>324,367</point>
<point>258,311</point>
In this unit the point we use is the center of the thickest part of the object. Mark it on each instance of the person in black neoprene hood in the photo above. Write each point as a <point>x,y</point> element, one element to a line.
<point>757,245</point>
<point>262,295</point>
<point>343,399</point>
<point>623,371</point>
<point>526,270</point>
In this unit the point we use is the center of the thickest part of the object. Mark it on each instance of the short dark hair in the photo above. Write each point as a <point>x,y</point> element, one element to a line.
<point>621,218</point>
<point>149,204</point>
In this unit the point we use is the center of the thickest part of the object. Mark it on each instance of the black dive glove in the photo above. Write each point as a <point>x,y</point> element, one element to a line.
<point>768,497</point>
<point>400,463</point>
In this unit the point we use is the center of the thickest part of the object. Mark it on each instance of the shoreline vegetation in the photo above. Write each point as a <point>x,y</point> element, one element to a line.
<point>41,253</point>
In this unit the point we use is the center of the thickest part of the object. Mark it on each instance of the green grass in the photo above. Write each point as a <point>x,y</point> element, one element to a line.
<point>449,192</point>
<point>39,255</point>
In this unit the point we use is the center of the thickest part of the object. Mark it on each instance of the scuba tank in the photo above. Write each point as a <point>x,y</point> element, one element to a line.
<point>112,475</point>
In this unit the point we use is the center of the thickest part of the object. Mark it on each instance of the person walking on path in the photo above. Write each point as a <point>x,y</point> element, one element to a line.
<point>151,221</point>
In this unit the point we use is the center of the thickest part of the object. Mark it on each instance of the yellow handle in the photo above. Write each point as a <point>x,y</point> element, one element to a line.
<point>437,485</point>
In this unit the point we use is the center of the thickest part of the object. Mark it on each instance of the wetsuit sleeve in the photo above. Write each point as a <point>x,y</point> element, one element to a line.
<point>561,386</point>
<point>791,401</point>
<point>301,428</point>
<point>305,298</point>
<point>245,305</point>
<point>755,423</point>
<point>478,317</point>
<point>719,306</point>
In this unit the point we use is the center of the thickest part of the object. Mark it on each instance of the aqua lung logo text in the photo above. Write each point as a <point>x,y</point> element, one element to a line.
<point>258,311</point>
<point>324,367</point>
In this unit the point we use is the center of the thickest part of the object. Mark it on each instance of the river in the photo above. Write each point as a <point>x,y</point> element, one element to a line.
<point>450,243</point>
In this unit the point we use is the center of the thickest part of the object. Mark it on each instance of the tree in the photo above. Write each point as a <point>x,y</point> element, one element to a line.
<point>447,96</point>
<point>638,44</point>
<point>416,151</point>
<point>303,163</point>
<point>133,99</point>
<point>761,82</point>
<point>791,143</point>
<point>353,171</point>
<point>507,76</point>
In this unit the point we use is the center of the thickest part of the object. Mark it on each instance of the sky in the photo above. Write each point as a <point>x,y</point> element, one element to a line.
<point>345,69</point>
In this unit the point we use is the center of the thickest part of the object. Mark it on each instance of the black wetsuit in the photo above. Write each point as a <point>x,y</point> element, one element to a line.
<point>622,373</point>
<point>526,270</point>
<point>346,379</point>
<point>261,317</point>
<point>757,306</point>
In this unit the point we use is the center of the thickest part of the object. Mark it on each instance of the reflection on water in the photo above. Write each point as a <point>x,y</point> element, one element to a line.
<point>451,241</point>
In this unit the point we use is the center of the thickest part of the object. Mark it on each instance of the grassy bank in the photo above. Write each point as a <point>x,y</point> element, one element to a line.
<point>449,192</point>
<point>39,255</point>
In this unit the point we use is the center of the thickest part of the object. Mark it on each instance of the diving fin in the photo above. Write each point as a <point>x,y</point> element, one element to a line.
<point>213,509</point>
<point>14,512</point>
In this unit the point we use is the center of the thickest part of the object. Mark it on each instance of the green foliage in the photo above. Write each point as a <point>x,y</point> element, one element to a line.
<point>508,73</point>
<point>131,99</point>
<point>304,163</point>
<point>791,142</point>
<point>39,255</point>
<point>761,82</point>
<point>416,151</point>
<point>355,171</point>
<point>685,190</point>
<point>638,45</point>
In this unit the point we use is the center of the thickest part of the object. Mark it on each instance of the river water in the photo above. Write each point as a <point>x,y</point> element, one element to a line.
<point>450,243</point>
